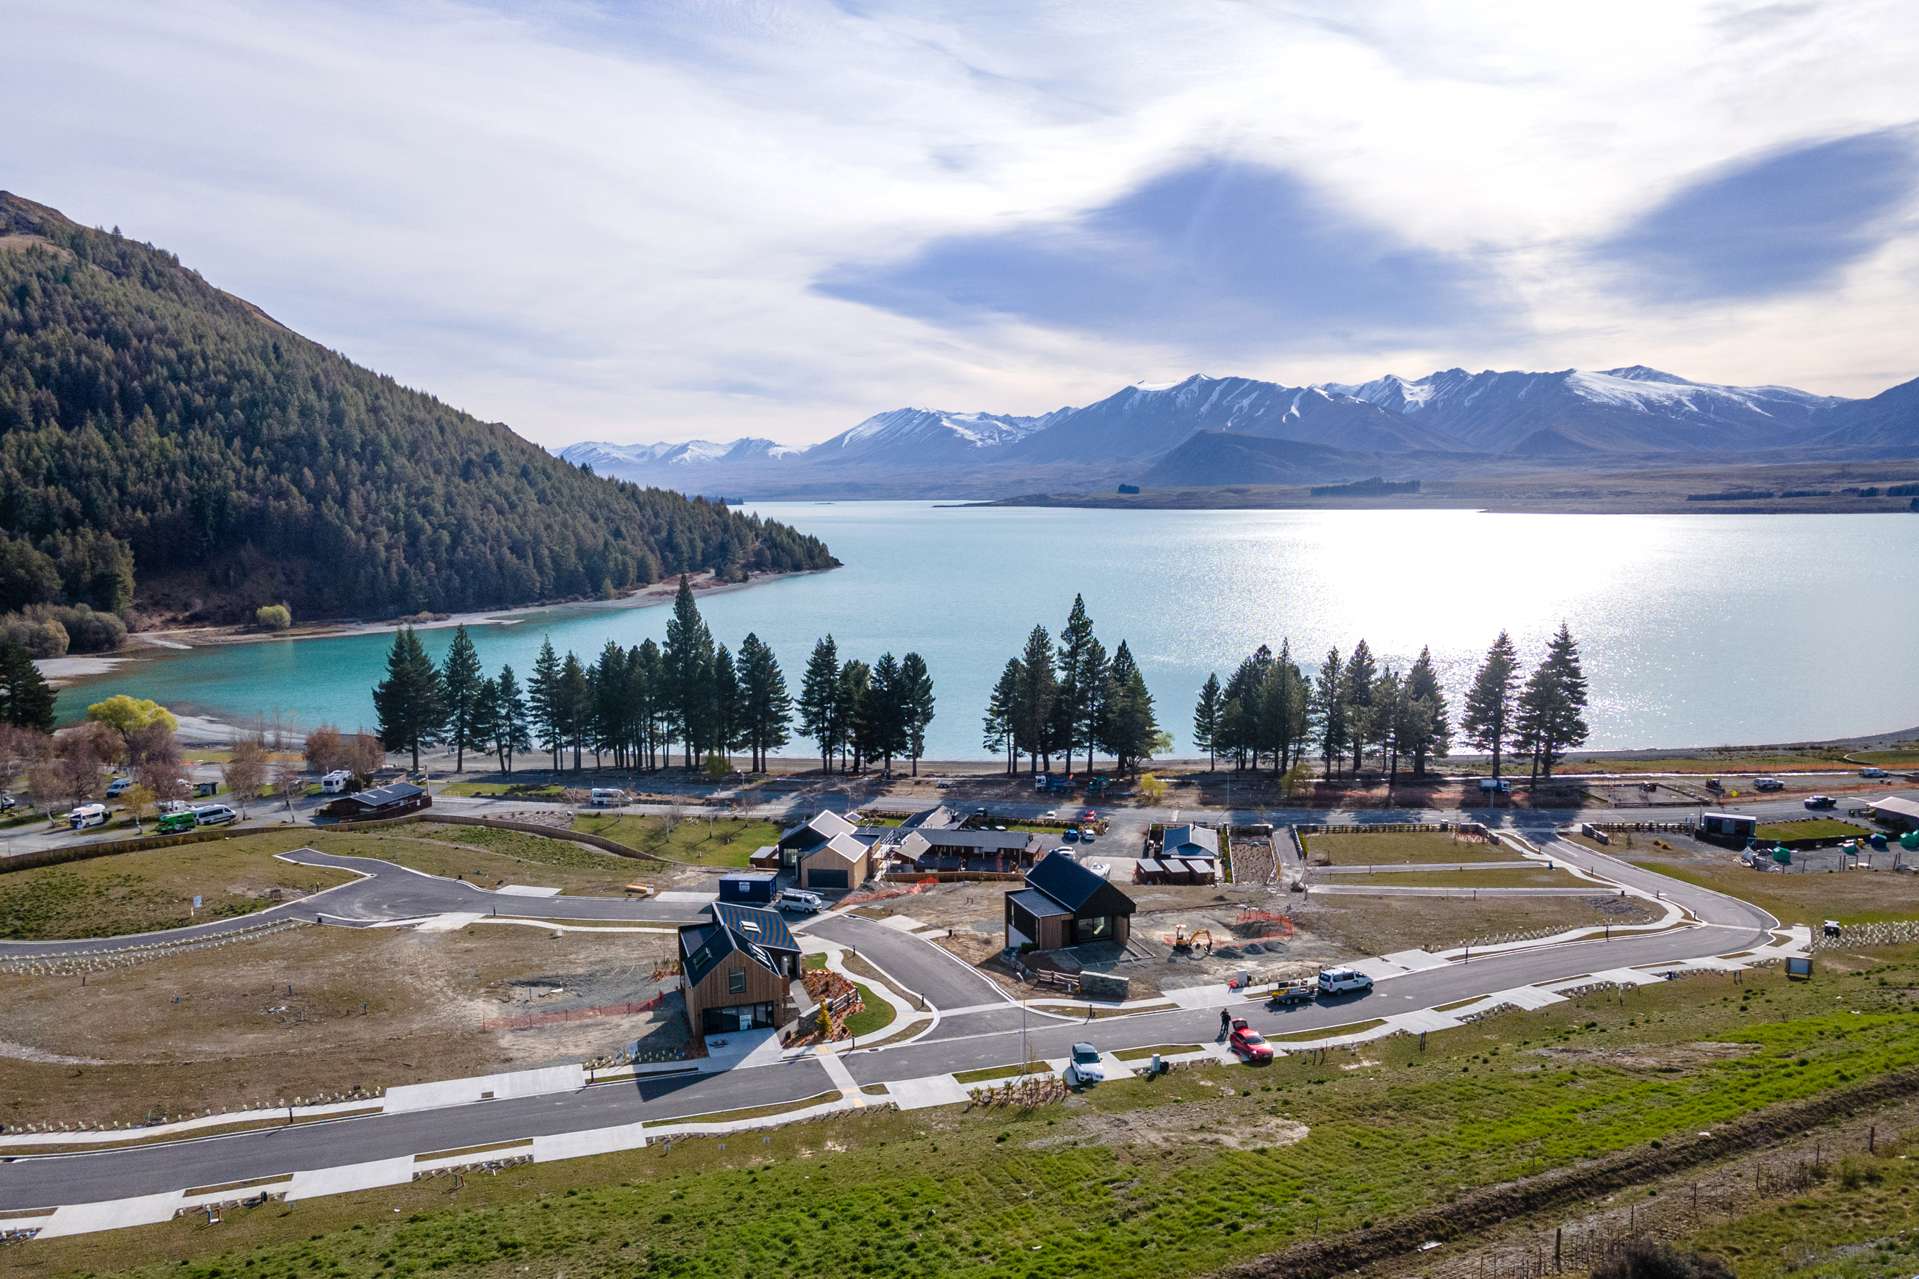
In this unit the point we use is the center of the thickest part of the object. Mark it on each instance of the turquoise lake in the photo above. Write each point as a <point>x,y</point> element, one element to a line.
<point>1697,629</point>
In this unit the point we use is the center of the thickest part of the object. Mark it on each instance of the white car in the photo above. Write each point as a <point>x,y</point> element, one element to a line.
<point>1085,1067</point>
<point>1067,853</point>
<point>1103,869</point>
<point>1767,783</point>
<point>215,815</point>
<point>1343,981</point>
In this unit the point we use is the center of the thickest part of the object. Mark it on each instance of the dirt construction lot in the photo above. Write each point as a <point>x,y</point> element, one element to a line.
<point>313,1011</point>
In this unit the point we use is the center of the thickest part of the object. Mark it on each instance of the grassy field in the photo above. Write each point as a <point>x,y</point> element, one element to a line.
<point>1135,1179</point>
<point>492,857</point>
<point>704,841</point>
<point>1401,847</point>
<point>510,790</point>
<point>1513,877</point>
<point>1735,761</point>
<point>1809,828</point>
<point>141,892</point>
<point>1857,1222</point>
<point>1851,897</point>
<point>1379,924</point>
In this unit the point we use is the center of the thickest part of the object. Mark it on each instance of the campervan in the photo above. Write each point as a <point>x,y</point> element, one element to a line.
<point>87,815</point>
<point>337,782</point>
<point>606,797</point>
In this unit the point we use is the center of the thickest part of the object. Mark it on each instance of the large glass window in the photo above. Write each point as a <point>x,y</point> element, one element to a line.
<point>736,983</point>
<point>1093,928</point>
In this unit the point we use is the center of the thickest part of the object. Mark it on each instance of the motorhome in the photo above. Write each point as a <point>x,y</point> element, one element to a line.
<point>337,782</point>
<point>606,797</point>
<point>87,815</point>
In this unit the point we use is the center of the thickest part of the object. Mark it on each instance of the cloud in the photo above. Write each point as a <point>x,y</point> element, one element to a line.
<point>1781,222</point>
<point>1219,251</point>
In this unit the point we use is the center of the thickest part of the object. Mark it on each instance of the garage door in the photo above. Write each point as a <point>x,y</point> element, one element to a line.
<point>823,878</point>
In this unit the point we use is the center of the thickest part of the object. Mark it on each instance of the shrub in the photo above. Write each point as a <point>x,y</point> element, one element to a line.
<point>88,630</point>
<point>41,638</point>
<point>273,617</point>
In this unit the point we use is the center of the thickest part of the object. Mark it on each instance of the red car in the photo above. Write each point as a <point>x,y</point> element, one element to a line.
<point>1248,1044</point>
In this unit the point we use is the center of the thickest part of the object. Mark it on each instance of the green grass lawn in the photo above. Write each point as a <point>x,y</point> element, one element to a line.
<point>874,1016</point>
<point>1851,896</point>
<point>141,892</point>
<point>493,857</point>
<point>990,1073</point>
<point>1515,877</point>
<point>1857,1222</point>
<point>1810,828</point>
<point>1402,847</point>
<point>510,790</point>
<point>1097,1185</point>
<point>705,841</point>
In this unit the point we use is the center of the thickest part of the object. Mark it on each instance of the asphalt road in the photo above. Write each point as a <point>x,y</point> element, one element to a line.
<point>992,1036</point>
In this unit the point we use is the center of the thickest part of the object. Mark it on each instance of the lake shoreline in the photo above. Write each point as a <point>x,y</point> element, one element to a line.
<point>77,668</point>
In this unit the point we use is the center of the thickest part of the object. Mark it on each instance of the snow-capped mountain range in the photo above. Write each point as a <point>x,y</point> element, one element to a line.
<point>1562,417</point>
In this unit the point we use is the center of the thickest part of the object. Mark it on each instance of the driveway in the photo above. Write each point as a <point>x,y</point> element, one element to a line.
<point>947,982</point>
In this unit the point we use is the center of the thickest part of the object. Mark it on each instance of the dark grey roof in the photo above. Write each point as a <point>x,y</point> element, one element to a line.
<point>750,876</point>
<point>1037,904</point>
<point>1077,888</point>
<point>702,946</point>
<point>381,796</point>
<point>939,818</point>
<point>1179,838</point>
<point>988,841</point>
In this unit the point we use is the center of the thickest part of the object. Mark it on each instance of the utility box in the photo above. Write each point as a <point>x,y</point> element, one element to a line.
<point>1727,828</point>
<point>749,888</point>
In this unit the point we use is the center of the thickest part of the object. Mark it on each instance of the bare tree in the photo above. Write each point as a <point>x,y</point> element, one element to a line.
<point>289,779</point>
<point>365,755</point>
<point>325,750</point>
<point>246,770</point>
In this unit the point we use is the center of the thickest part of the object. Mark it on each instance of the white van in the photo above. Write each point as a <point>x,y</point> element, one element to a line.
<point>605,797</point>
<point>798,899</point>
<point>215,815</point>
<point>87,815</point>
<point>337,782</point>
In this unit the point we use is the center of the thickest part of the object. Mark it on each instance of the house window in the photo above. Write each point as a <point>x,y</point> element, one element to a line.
<point>736,983</point>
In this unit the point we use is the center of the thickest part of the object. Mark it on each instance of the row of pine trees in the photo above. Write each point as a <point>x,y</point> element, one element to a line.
<point>1059,699</point>
<point>1271,711</point>
<point>632,706</point>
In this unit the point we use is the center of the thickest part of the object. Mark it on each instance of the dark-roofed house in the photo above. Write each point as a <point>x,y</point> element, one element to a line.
<point>1065,904</point>
<point>1190,841</point>
<point>381,801</point>
<point>737,969</point>
<point>953,848</point>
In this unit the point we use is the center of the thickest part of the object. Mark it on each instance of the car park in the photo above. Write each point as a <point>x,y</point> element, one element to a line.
<point>1085,1067</point>
<point>801,901</point>
<point>215,815</point>
<point>1821,801</point>
<point>1248,1044</point>
<point>176,823</point>
<point>1767,783</point>
<point>1344,981</point>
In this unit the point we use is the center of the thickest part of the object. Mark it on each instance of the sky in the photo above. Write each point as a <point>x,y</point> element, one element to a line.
<point>667,220</point>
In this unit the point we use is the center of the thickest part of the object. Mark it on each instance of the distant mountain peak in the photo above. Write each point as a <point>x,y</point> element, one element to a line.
<point>1642,373</point>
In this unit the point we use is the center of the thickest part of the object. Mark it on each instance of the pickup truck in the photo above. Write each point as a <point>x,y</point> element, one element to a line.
<point>1287,994</point>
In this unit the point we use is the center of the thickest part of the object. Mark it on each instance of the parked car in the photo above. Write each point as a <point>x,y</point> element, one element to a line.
<point>7,803</point>
<point>1767,783</point>
<point>1821,801</point>
<point>1344,981</point>
<point>167,806</point>
<point>1067,853</point>
<point>1872,772</point>
<point>1103,869</point>
<point>87,815</point>
<point>215,815</point>
<point>118,787</point>
<point>1712,783</point>
<point>1248,1044</point>
<point>1088,835</point>
<point>1085,1067</point>
<point>798,899</point>
<point>607,797</point>
<point>1072,835</point>
<point>1495,786</point>
<point>176,823</point>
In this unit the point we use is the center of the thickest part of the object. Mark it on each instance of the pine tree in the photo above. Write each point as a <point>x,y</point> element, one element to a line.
<point>728,706</point>
<point>409,703</point>
<point>1360,674</point>
<point>646,678</point>
<point>26,699</point>
<point>768,708</point>
<point>509,719</point>
<point>1427,733</point>
<point>997,726</point>
<point>1487,721</point>
<point>609,732</point>
<point>1555,710</point>
<point>460,684</point>
<point>1033,707</point>
<point>687,658</point>
<point>1329,698</point>
<point>820,717</point>
<point>544,697</point>
<point>885,711</point>
<point>1388,715</point>
<point>1206,719</point>
<point>1129,727</point>
<point>575,705</point>
<point>1079,685</point>
<point>855,689</point>
<point>482,721</point>
<point>916,700</point>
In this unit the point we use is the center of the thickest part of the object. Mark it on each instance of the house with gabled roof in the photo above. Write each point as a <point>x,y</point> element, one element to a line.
<point>1065,904</point>
<point>737,969</point>
<point>827,852</point>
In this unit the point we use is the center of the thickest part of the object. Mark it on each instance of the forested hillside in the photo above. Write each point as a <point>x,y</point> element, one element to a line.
<point>162,439</point>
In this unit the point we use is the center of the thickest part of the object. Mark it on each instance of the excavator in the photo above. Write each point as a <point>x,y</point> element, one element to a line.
<point>1198,940</point>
